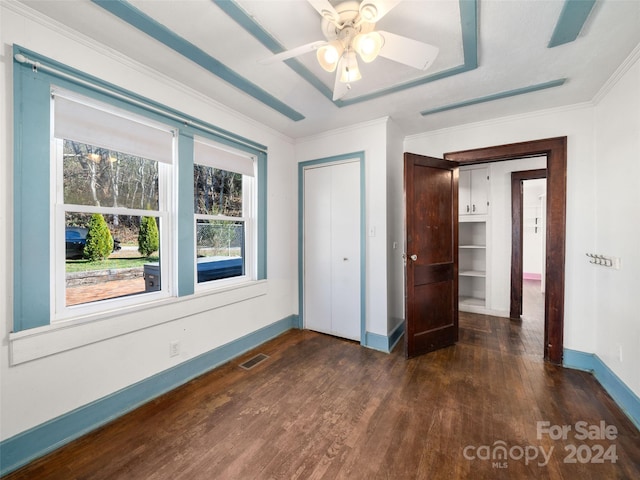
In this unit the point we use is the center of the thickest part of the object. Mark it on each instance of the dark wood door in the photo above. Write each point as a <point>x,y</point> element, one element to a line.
<point>431,274</point>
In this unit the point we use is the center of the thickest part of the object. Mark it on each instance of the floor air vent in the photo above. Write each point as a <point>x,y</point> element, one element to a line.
<point>252,362</point>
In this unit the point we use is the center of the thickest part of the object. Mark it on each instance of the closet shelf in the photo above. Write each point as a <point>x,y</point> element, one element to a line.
<point>472,273</point>
<point>472,301</point>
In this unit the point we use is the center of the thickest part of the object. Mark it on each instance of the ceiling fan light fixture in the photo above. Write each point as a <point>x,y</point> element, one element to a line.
<point>350,71</point>
<point>328,55</point>
<point>368,45</point>
<point>368,12</point>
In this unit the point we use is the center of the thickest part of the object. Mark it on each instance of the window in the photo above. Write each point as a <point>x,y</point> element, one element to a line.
<point>86,151</point>
<point>111,206</point>
<point>223,203</point>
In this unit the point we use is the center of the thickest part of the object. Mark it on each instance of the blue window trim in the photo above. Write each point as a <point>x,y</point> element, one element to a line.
<point>32,170</point>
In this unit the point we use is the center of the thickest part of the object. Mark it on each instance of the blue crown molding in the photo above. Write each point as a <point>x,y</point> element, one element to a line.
<point>138,19</point>
<point>468,24</point>
<point>496,96</point>
<point>571,21</point>
<point>247,22</point>
<point>63,71</point>
<point>572,18</point>
<point>469,28</point>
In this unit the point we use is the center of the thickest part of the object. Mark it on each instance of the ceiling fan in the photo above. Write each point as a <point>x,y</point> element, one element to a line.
<point>349,29</point>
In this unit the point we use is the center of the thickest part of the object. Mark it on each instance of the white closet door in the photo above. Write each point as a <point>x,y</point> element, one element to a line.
<point>345,246</point>
<point>317,249</point>
<point>332,249</point>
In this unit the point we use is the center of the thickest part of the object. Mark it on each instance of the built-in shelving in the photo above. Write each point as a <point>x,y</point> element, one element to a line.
<point>472,273</point>
<point>472,239</point>
<point>471,302</point>
<point>472,268</point>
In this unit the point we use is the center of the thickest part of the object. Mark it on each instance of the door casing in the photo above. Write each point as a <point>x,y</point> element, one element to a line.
<point>555,149</point>
<point>359,156</point>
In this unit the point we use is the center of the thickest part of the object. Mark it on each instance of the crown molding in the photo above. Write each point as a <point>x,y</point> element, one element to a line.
<point>77,37</point>
<point>342,130</point>
<point>624,67</point>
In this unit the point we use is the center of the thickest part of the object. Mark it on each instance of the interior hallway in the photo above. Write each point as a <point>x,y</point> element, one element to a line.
<point>322,407</point>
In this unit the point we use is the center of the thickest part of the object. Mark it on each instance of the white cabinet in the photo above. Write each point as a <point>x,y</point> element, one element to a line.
<point>472,265</point>
<point>473,191</point>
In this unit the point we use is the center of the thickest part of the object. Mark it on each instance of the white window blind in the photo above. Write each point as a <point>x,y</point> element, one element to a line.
<point>110,128</point>
<point>222,158</point>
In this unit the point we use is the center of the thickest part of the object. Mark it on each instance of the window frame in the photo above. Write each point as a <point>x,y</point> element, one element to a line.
<point>165,212</point>
<point>34,211</point>
<point>60,310</point>
<point>249,213</point>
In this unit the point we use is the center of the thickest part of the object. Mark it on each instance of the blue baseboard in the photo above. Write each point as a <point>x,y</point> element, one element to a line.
<point>382,343</point>
<point>628,401</point>
<point>25,447</point>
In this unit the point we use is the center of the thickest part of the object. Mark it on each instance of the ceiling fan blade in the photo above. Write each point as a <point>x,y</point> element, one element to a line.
<point>294,52</point>
<point>373,10</point>
<point>340,89</point>
<point>408,51</point>
<point>326,10</point>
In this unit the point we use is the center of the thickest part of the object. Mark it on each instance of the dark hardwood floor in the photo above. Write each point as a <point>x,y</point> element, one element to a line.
<point>322,407</point>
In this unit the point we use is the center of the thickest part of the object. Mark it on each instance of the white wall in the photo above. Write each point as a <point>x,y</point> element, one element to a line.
<point>533,233</point>
<point>577,124</point>
<point>37,391</point>
<point>499,269</point>
<point>395,226</point>
<point>369,137</point>
<point>617,192</point>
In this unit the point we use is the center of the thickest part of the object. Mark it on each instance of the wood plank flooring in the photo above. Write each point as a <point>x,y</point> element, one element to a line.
<point>325,408</point>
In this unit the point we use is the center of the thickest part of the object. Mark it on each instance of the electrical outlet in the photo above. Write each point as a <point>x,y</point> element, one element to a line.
<point>174,349</point>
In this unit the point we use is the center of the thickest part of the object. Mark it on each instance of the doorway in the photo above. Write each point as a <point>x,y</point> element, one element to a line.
<point>521,221</point>
<point>555,150</point>
<point>534,199</point>
<point>528,198</point>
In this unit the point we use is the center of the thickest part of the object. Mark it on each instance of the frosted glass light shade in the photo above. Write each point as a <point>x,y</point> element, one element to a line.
<point>329,54</point>
<point>350,71</point>
<point>368,45</point>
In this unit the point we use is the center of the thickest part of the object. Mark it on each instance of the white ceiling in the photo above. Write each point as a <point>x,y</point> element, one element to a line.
<point>494,57</point>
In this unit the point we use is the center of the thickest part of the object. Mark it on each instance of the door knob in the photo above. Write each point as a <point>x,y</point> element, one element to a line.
<point>414,257</point>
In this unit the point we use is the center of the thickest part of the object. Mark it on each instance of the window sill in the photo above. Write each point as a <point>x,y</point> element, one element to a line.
<point>59,337</point>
